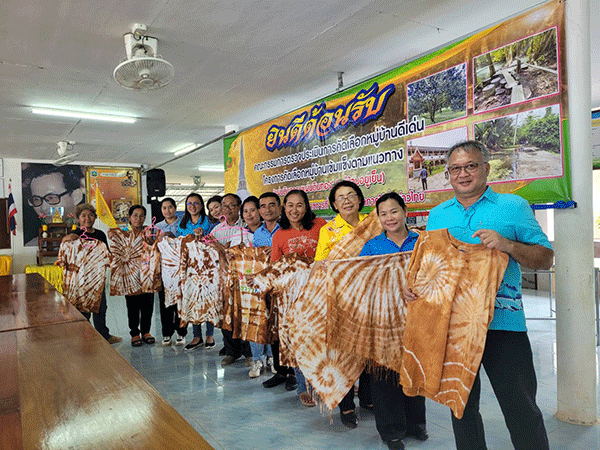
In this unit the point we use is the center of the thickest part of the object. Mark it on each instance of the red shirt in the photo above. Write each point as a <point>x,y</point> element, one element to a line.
<point>303,242</point>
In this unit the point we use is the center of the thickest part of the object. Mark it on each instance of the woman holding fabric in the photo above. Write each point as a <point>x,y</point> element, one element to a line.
<point>347,200</point>
<point>299,233</point>
<point>196,221</point>
<point>86,217</point>
<point>169,318</point>
<point>396,415</point>
<point>139,307</point>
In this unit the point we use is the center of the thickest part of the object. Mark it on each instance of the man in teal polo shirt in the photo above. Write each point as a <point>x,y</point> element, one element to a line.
<point>505,222</point>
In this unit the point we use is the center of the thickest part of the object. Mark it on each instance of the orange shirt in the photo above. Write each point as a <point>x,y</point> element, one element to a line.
<point>303,242</point>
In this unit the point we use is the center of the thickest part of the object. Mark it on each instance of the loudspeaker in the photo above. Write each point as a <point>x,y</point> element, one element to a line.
<point>156,183</point>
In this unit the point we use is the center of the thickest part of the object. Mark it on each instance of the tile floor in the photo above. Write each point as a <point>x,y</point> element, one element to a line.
<point>233,411</point>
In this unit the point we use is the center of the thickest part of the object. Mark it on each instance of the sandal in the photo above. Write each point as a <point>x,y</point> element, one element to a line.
<point>307,400</point>
<point>136,341</point>
<point>148,338</point>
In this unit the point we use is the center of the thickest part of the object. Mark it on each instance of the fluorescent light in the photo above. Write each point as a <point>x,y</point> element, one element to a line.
<point>82,115</point>
<point>182,151</point>
<point>211,168</point>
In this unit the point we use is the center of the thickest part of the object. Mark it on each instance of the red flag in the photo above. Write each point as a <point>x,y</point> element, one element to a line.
<point>12,212</point>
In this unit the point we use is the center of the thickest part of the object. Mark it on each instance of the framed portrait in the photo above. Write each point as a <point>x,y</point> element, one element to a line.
<point>120,187</point>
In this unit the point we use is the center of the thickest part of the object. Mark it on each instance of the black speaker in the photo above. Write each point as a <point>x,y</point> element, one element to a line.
<point>156,183</point>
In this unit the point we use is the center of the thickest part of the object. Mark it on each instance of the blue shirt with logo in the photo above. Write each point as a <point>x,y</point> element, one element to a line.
<point>510,216</point>
<point>190,227</point>
<point>381,245</point>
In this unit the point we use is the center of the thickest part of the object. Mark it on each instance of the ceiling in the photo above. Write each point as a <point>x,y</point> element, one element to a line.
<point>236,63</point>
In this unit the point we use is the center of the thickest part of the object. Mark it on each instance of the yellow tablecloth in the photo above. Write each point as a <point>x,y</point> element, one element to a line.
<point>53,274</point>
<point>5,263</point>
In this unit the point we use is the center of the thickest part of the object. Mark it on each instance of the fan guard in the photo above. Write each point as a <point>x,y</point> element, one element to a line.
<point>144,73</point>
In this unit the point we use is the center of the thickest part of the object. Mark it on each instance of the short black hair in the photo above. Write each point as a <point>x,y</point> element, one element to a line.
<point>134,207</point>
<point>71,175</point>
<point>170,200</point>
<point>237,198</point>
<point>251,199</point>
<point>390,196</point>
<point>269,195</point>
<point>309,217</point>
<point>350,184</point>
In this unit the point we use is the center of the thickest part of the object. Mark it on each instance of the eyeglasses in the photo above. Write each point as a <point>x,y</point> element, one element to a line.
<point>470,168</point>
<point>349,197</point>
<point>51,199</point>
<point>193,204</point>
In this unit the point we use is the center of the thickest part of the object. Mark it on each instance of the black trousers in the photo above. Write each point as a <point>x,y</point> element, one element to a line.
<point>364,393</point>
<point>139,313</point>
<point>396,414</point>
<point>169,319</point>
<point>100,318</point>
<point>508,363</point>
<point>235,347</point>
<point>281,370</point>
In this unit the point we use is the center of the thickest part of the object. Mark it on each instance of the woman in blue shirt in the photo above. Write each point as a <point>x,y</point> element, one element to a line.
<point>196,221</point>
<point>396,415</point>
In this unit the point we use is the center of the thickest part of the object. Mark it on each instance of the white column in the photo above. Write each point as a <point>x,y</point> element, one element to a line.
<point>575,301</point>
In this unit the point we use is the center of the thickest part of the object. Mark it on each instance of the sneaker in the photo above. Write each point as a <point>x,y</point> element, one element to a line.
<point>256,369</point>
<point>210,344</point>
<point>195,346</point>
<point>291,384</point>
<point>228,360</point>
<point>275,380</point>
<point>114,339</point>
<point>166,341</point>
<point>180,340</point>
<point>271,365</point>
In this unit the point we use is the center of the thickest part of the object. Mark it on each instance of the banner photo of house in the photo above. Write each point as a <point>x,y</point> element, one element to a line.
<point>504,87</point>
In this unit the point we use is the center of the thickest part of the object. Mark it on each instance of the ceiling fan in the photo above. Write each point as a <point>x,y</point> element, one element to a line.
<point>143,69</point>
<point>65,152</point>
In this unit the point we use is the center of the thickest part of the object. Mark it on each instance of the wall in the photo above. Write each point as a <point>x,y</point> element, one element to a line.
<point>23,256</point>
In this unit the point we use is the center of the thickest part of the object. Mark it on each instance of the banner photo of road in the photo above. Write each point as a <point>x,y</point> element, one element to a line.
<point>504,86</point>
<point>120,187</point>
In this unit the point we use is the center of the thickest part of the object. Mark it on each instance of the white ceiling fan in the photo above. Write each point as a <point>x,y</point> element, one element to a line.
<point>65,152</point>
<point>143,69</point>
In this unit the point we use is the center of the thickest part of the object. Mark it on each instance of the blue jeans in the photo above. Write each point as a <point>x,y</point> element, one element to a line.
<point>197,330</point>
<point>259,350</point>
<point>300,380</point>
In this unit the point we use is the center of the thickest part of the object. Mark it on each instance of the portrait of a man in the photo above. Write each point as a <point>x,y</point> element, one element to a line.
<point>46,186</point>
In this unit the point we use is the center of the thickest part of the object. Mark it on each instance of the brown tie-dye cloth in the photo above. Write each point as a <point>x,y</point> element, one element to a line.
<point>246,311</point>
<point>126,259</point>
<point>84,264</point>
<point>283,280</point>
<point>200,282</point>
<point>329,372</point>
<point>446,327</point>
<point>367,309</point>
<point>150,268</point>
<point>170,258</point>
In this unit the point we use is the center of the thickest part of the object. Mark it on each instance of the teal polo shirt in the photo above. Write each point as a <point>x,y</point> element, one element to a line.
<point>512,217</point>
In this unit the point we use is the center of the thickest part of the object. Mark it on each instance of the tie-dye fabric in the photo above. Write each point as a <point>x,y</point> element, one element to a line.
<point>446,327</point>
<point>170,258</point>
<point>84,264</point>
<point>126,259</point>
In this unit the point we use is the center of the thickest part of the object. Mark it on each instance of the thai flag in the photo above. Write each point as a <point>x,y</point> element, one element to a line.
<point>12,212</point>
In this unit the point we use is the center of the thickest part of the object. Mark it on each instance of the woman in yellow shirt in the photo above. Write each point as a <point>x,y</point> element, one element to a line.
<point>347,200</point>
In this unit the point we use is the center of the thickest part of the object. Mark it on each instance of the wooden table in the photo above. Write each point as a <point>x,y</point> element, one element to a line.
<point>64,387</point>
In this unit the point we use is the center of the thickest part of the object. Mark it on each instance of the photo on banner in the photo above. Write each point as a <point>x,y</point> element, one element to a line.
<point>46,187</point>
<point>504,86</point>
<point>119,186</point>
